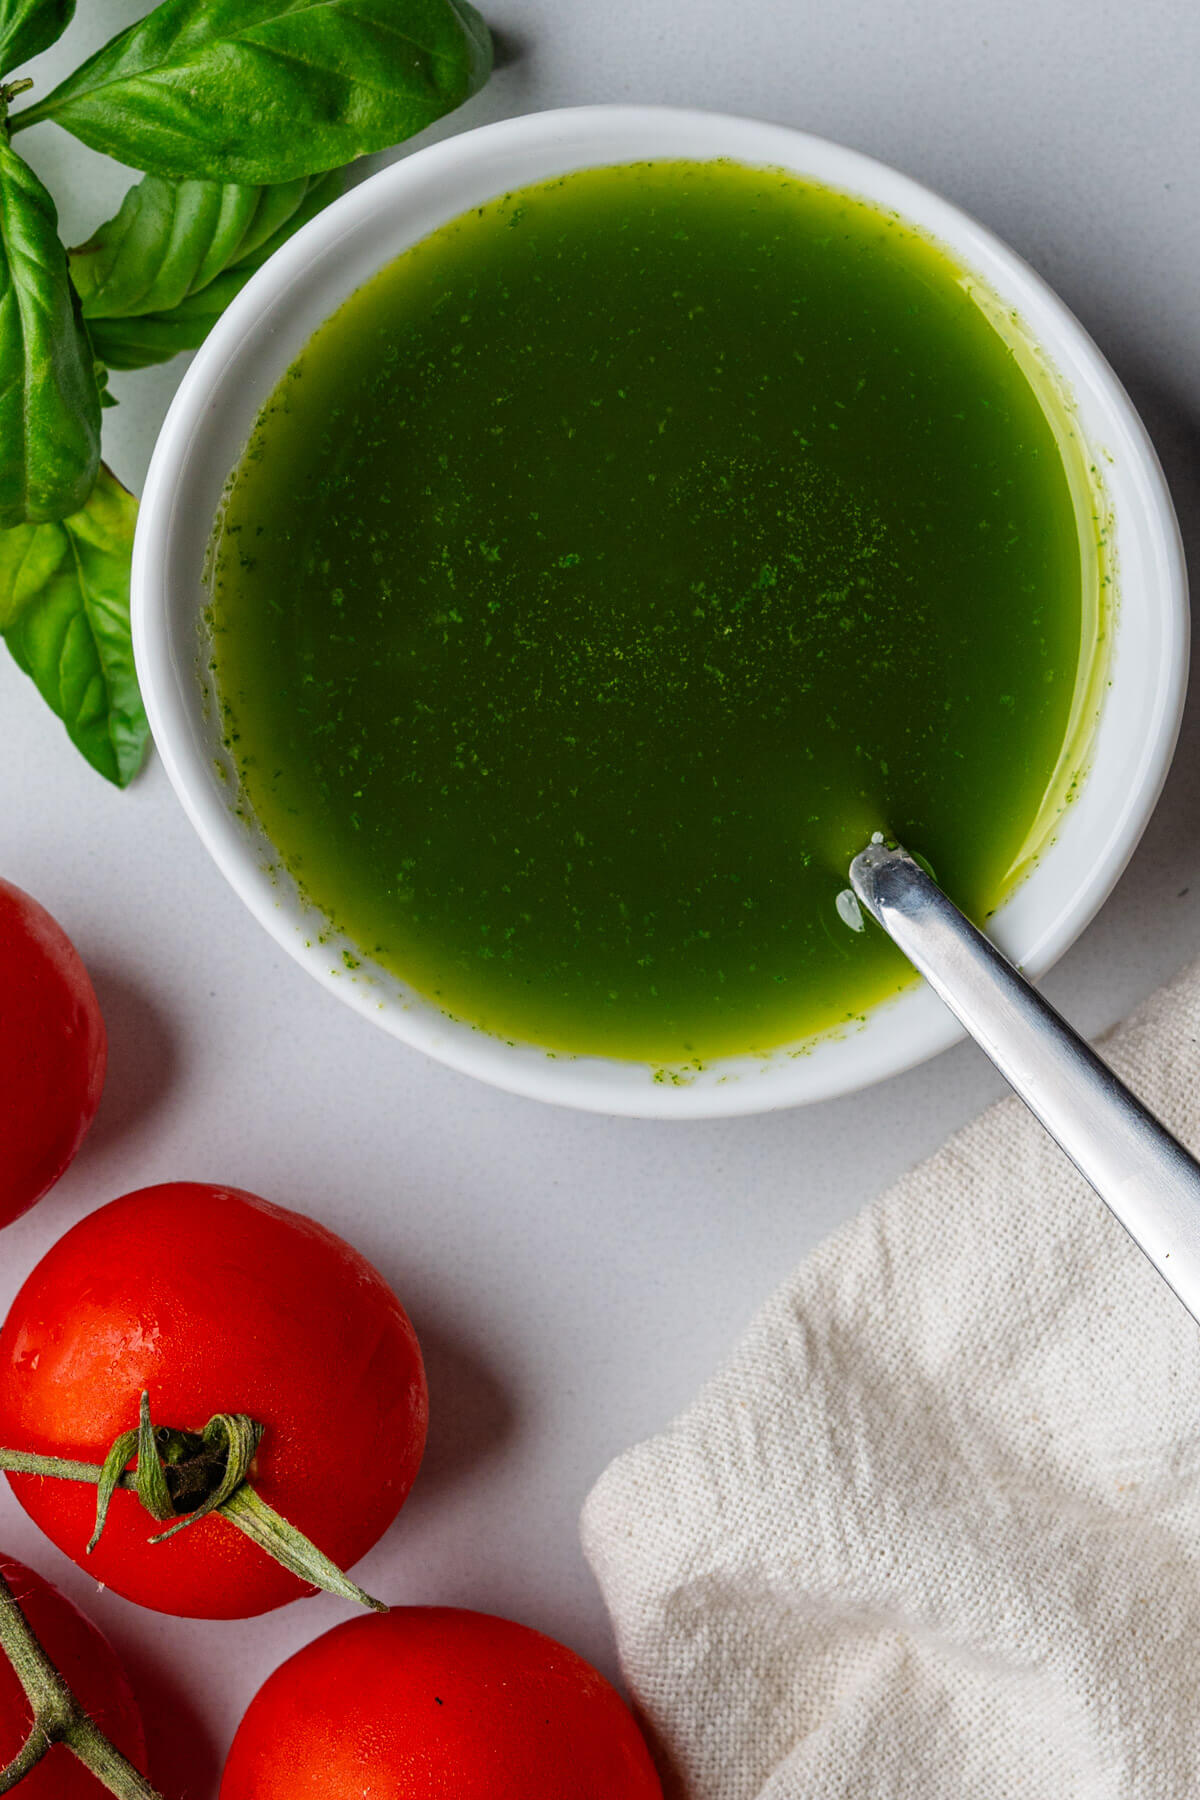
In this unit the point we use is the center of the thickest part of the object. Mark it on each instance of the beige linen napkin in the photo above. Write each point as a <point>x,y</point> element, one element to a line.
<point>933,1533</point>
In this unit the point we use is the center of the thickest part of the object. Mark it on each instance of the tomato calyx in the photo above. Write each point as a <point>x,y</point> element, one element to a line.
<point>180,1475</point>
<point>185,1475</point>
<point>58,1717</point>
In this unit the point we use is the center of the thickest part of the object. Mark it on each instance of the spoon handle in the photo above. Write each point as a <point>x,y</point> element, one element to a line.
<point>1139,1170</point>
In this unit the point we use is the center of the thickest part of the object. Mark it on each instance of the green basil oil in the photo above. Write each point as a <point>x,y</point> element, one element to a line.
<point>619,558</point>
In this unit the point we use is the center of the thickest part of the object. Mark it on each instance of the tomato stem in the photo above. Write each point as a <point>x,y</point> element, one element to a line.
<point>28,1462</point>
<point>30,1755</point>
<point>58,1718</point>
<point>184,1476</point>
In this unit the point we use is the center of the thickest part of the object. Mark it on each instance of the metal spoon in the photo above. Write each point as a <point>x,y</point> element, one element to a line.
<point>1142,1173</point>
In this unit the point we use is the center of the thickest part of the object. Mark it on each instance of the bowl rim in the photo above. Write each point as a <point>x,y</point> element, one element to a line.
<point>596,1083</point>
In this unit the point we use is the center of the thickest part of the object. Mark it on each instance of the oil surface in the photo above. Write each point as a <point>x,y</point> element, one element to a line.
<point>610,566</point>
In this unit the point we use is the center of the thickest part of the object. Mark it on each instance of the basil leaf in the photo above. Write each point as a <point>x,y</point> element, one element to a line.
<point>28,27</point>
<point>49,404</point>
<point>172,238</point>
<point>156,338</point>
<point>263,91</point>
<point>169,257</point>
<point>64,612</point>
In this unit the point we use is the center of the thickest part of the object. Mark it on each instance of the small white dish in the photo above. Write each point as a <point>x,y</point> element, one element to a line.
<point>266,326</point>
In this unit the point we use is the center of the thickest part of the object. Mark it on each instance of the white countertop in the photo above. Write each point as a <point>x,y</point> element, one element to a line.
<point>573,1279</point>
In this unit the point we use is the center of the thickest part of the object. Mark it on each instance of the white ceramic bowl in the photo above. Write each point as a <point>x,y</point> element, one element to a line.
<point>261,333</point>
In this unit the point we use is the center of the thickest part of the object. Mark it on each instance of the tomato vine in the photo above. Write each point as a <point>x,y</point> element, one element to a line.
<point>58,1716</point>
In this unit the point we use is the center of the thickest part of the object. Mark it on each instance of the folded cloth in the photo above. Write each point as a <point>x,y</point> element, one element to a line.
<point>933,1533</point>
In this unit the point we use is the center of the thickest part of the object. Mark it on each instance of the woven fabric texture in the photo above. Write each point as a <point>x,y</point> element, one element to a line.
<point>933,1532</point>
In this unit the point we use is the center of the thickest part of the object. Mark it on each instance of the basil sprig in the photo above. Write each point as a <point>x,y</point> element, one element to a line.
<point>242,113</point>
<point>269,90</point>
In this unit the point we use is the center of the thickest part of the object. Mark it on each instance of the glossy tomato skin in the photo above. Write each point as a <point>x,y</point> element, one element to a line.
<point>88,1664</point>
<point>431,1703</point>
<point>53,1050</point>
<point>213,1301</point>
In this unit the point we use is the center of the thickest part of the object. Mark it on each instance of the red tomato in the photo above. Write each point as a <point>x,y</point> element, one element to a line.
<point>213,1301</point>
<point>89,1666</point>
<point>428,1703</point>
<point>53,1049</point>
